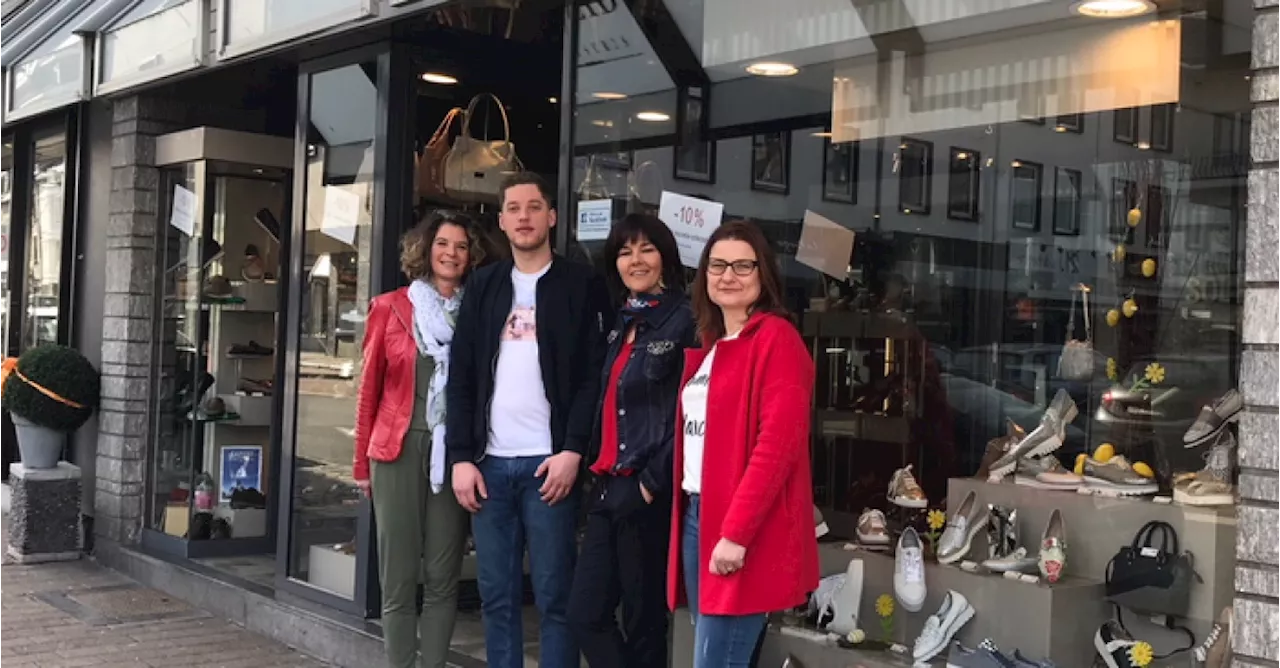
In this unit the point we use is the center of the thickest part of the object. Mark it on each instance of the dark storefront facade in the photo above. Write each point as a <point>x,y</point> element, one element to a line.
<point>947,186</point>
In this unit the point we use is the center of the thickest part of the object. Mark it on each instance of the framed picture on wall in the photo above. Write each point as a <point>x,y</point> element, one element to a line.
<point>1066,201</point>
<point>914,164</point>
<point>1024,192</point>
<point>771,162</point>
<point>840,171</point>
<point>963,184</point>
<point>695,159</point>
<point>1125,125</point>
<point>1162,119</point>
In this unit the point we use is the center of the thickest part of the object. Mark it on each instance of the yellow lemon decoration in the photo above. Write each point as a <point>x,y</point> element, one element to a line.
<point>1104,452</point>
<point>884,605</point>
<point>1154,373</point>
<point>1113,318</point>
<point>1148,267</point>
<point>1130,307</point>
<point>1141,654</point>
<point>1143,469</point>
<point>1118,254</point>
<point>937,519</point>
<point>1113,369</point>
<point>1079,467</point>
<point>1134,217</point>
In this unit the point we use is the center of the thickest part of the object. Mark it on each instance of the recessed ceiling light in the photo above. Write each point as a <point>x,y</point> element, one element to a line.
<point>962,156</point>
<point>604,95</point>
<point>769,69</point>
<point>439,78</point>
<point>653,116</point>
<point>601,123</point>
<point>824,135</point>
<point>552,100</point>
<point>1113,9</point>
<point>1059,128</point>
<point>1015,164</point>
<point>1144,146</point>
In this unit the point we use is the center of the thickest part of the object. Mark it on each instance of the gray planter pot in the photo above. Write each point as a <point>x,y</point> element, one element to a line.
<point>41,447</point>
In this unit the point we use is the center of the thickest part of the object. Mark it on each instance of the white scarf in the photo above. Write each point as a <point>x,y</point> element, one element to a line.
<point>433,320</point>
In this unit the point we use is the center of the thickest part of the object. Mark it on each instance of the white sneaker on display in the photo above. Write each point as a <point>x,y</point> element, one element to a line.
<point>908,571</point>
<point>847,601</point>
<point>942,626</point>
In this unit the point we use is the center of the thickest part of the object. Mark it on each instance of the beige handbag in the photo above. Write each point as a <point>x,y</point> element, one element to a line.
<point>429,180</point>
<point>475,168</point>
<point>1076,361</point>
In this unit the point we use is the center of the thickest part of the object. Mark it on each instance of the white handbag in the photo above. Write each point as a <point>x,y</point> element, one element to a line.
<point>475,168</point>
<point>1076,361</point>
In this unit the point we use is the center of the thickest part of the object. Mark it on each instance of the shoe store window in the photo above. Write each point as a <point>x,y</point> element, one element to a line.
<point>218,317</point>
<point>1025,304</point>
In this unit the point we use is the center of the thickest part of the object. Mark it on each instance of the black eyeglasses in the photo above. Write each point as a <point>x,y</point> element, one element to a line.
<point>740,267</point>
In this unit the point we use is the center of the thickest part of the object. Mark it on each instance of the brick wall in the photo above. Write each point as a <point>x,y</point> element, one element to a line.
<point>1256,631</point>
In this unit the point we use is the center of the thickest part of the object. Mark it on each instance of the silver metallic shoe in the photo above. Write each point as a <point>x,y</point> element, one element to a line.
<point>1045,439</point>
<point>1213,419</point>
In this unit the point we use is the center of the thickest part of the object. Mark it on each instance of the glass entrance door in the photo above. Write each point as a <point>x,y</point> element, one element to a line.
<point>332,279</point>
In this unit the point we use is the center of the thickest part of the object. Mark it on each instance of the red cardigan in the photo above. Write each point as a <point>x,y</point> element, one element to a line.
<point>384,403</point>
<point>757,488</point>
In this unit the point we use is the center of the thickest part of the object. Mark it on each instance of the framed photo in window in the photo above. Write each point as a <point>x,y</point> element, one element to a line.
<point>1153,218</point>
<point>1162,119</point>
<point>1067,184</point>
<point>1124,197</point>
<point>840,171</point>
<point>1073,123</point>
<point>1125,125</point>
<point>1025,180</point>
<point>695,159</point>
<point>963,184</point>
<point>771,162</point>
<point>915,175</point>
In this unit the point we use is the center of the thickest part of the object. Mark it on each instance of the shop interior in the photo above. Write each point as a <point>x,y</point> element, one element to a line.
<point>1074,182</point>
<point>260,340</point>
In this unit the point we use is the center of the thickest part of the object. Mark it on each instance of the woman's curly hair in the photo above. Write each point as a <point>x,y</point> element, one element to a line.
<point>415,245</point>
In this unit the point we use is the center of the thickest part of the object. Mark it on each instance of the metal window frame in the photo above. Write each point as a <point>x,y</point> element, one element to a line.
<point>81,94</point>
<point>199,58</point>
<point>224,50</point>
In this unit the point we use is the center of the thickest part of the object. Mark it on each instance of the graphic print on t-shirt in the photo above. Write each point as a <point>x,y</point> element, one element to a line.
<point>522,324</point>
<point>695,424</point>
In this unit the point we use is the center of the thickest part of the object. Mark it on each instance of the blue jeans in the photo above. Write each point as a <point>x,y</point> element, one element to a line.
<point>513,514</point>
<point>719,641</point>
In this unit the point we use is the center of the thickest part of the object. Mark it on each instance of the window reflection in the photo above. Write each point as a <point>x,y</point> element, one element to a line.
<point>44,241</point>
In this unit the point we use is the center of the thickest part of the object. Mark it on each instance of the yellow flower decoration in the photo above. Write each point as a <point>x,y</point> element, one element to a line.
<point>1154,373</point>
<point>1141,654</point>
<point>937,519</point>
<point>884,605</point>
<point>1113,369</point>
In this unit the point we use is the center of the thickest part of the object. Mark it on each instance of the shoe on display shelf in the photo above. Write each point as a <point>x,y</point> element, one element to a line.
<point>1210,486</point>
<point>1215,651</point>
<point>872,531</point>
<point>218,287</point>
<point>1213,419</point>
<point>942,626</point>
<point>1118,649</point>
<point>982,656</point>
<point>1116,477</point>
<point>1046,438</point>
<point>820,527</point>
<point>1020,661</point>
<point>1017,561</point>
<point>1053,548</point>
<point>998,447</point>
<point>968,520</point>
<point>1046,473</point>
<point>252,269</point>
<point>847,601</point>
<point>250,349</point>
<point>904,491</point>
<point>908,571</point>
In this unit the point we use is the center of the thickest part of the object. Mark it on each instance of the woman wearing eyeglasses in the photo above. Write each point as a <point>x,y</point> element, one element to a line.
<point>742,537</point>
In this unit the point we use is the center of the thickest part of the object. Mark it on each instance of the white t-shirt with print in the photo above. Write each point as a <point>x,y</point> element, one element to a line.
<point>519,413</point>
<point>693,402</point>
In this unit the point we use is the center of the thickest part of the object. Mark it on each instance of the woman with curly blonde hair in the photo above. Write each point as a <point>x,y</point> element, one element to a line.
<point>399,444</point>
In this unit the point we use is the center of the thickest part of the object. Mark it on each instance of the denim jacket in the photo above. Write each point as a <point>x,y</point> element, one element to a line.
<point>647,391</point>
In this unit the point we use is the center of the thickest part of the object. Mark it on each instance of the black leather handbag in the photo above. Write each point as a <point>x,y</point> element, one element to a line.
<point>1151,575</point>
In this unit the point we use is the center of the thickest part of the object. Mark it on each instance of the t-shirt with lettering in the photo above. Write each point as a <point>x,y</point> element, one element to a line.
<point>693,403</point>
<point>519,413</point>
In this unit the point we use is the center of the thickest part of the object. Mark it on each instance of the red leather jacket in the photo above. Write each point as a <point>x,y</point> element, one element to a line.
<point>385,400</point>
<point>757,489</point>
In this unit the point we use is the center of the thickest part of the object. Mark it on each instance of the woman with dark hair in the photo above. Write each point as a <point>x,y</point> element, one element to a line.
<point>742,538</point>
<point>399,448</point>
<point>623,554</point>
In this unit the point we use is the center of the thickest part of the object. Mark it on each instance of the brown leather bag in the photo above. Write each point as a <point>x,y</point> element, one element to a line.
<point>429,177</point>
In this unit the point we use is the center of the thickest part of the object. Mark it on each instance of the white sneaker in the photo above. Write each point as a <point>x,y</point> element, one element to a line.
<point>908,571</point>
<point>845,603</point>
<point>965,523</point>
<point>940,628</point>
<point>820,527</point>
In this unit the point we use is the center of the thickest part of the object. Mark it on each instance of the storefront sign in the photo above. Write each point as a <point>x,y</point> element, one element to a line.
<point>692,221</point>
<point>241,469</point>
<point>183,215</point>
<point>825,245</point>
<point>595,217</point>
<point>341,214</point>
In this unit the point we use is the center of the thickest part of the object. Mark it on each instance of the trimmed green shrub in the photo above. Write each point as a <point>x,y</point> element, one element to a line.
<point>61,370</point>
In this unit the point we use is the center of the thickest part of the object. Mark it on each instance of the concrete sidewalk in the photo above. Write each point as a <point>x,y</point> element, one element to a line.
<point>77,613</point>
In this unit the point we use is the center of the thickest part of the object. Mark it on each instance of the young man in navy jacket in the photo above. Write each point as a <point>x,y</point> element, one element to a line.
<point>523,382</point>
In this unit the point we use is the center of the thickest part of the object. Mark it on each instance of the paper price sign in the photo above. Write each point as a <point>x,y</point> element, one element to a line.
<point>691,221</point>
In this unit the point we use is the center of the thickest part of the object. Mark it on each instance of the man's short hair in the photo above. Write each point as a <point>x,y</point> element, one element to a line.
<point>527,178</point>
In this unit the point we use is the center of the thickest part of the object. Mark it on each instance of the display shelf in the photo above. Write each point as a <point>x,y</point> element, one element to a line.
<point>859,325</point>
<point>865,426</point>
